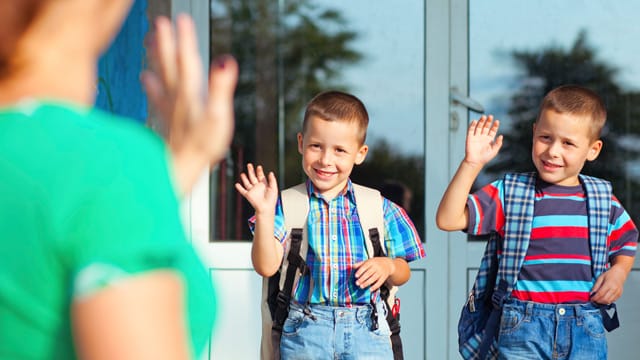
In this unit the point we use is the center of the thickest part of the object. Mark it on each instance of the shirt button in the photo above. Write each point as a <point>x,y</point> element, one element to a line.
<point>334,237</point>
<point>333,210</point>
<point>562,311</point>
<point>335,267</point>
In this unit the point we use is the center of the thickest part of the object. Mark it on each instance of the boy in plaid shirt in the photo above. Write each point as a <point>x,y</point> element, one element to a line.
<point>552,310</point>
<point>330,311</point>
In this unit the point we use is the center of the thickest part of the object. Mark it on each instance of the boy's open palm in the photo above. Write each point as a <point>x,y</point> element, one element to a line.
<point>261,191</point>
<point>482,144</point>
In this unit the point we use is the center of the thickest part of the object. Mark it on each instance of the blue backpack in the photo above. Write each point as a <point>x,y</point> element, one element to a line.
<point>480,317</point>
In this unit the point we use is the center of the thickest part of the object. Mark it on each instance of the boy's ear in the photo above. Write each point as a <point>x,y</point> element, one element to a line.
<point>362,154</point>
<point>594,150</point>
<point>300,137</point>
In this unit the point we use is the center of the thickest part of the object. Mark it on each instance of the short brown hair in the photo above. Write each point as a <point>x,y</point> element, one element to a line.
<point>577,100</point>
<point>336,105</point>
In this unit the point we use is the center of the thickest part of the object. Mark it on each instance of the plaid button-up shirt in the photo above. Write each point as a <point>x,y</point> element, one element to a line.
<point>336,243</point>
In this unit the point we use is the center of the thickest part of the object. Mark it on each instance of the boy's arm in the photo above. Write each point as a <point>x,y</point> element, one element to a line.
<point>609,285</point>
<point>401,272</point>
<point>266,250</point>
<point>262,193</point>
<point>452,212</point>
<point>403,245</point>
<point>482,145</point>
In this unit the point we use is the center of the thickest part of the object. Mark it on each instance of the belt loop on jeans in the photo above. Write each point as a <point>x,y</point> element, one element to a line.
<point>578,314</point>
<point>363,310</point>
<point>528,309</point>
<point>581,310</point>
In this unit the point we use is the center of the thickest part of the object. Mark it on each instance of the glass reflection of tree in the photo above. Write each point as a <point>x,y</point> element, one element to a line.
<point>550,67</point>
<point>287,54</point>
<point>384,163</point>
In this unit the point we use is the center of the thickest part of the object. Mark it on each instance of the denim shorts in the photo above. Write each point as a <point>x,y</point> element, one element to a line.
<point>329,332</point>
<point>531,330</point>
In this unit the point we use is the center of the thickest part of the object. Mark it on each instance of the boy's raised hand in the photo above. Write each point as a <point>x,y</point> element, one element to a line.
<point>482,143</point>
<point>261,191</point>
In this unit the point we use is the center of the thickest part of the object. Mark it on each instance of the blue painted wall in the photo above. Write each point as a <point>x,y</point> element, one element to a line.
<point>119,88</point>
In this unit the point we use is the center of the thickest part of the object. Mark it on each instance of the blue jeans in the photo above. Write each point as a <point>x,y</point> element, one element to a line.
<point>548,331</point>
<point>335,333</point>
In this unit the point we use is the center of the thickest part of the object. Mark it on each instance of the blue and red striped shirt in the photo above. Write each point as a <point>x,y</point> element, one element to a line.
<point>336,243</point>
<point>557,266</point>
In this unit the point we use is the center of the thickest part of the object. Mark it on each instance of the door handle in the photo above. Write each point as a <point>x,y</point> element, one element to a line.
<point>459,98</point>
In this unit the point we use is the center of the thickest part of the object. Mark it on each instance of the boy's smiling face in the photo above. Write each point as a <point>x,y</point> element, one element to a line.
<point>562,143</point>
<point>329,151</point>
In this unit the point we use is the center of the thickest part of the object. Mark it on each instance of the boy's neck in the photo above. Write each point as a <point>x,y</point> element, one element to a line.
<point>330,194</point>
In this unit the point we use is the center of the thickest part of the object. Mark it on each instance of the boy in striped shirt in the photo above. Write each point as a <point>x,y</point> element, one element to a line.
<point>330,315</point>
<point>555,286</point>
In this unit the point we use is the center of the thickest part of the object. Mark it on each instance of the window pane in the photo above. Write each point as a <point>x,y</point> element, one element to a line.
<point>291,50</point>
<point>540,44</point>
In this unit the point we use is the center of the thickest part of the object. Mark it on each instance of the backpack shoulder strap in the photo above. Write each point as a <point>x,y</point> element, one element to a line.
<point>599,194</point>
<point>519,195</point>
<point>518,201</point>
<point>278,289</point>
<point>295,208</point>
<point>371,216</point>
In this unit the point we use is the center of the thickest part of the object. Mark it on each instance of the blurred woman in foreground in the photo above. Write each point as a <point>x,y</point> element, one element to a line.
<point>95,261</point>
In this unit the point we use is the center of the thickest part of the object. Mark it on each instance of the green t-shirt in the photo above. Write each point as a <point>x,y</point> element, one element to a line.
<point>85,198</point>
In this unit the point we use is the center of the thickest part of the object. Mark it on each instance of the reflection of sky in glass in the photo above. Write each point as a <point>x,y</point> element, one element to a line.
<point>497,27</point>
<point>390,78</point>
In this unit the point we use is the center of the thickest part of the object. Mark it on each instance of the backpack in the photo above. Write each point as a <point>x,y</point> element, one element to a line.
<point>277,289</point>
<point>480,317</point>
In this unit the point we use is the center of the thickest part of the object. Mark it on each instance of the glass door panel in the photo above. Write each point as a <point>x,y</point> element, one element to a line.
<point>289,51</point>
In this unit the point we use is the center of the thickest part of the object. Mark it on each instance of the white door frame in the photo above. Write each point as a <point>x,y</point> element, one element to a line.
<point>446,67</point>
<point>195,206</point>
